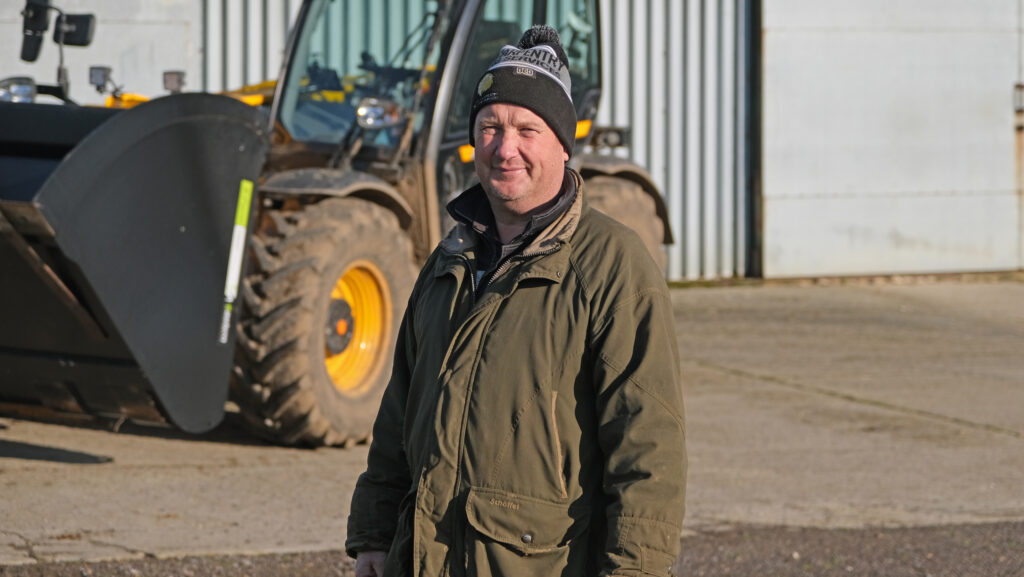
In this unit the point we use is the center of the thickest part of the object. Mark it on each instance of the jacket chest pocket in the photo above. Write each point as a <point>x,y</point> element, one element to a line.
<point>530,456</point>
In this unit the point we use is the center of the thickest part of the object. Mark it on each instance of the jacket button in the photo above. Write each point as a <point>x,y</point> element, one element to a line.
<point>527,538</point>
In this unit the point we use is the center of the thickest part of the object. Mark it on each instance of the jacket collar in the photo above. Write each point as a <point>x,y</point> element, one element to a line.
<point>461,241</point>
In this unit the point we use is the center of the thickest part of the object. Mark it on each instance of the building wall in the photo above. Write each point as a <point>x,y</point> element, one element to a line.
<point>888,137</point>
<point>138,40</point>
<point>674,73</point>
<point>244,40</point>
<point>887,141</point>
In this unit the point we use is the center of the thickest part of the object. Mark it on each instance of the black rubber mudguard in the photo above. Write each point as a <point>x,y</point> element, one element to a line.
<point>151,207</point>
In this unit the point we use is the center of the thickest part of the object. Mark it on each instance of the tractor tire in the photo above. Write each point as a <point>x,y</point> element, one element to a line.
<point>628,203</point>
<point>322,301</point>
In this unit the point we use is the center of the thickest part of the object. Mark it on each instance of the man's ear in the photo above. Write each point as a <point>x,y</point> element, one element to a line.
<point>565,156</point>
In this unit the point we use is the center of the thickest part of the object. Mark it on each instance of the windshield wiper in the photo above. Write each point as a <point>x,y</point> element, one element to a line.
<point>405,50</point>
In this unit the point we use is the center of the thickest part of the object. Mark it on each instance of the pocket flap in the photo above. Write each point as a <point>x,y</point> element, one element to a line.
<point>526,524</point>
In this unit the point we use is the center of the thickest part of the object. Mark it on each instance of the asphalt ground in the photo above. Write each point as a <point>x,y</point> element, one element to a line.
<point>846,429</point>
<point>988,550</point>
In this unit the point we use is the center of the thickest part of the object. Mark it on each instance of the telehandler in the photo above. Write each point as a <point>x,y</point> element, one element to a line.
<point>162,262</point>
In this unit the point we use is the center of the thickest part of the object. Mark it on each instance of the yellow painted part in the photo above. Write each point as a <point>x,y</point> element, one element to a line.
<point>253,94</point>
<point>250,99</point>
<point>583,128</point>
<point>265,86</point>
<point>466,152</point>
<point>328,96</point>
<point>363,286</point>
<point>126,100</point>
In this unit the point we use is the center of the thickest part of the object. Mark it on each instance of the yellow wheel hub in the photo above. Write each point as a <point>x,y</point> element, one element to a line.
<point>358,330</point>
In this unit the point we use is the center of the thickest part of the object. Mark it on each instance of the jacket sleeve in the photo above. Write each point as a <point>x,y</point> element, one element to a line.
<point>641,430</point>
<point>373,517</point>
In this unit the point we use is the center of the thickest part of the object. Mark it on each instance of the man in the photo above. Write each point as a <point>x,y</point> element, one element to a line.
<point>533,424</point>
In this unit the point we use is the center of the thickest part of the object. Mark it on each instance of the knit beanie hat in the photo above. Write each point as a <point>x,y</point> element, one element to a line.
<point>534,75</point>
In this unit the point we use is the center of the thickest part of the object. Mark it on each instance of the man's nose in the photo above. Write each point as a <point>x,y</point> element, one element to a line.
<point>506,144</point>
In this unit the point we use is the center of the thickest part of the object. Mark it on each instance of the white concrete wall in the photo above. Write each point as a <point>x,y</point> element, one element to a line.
<point>138,39</point>
<point>888,137</point>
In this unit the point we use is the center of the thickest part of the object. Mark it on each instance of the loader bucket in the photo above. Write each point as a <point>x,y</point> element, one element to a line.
<point>122,237</point>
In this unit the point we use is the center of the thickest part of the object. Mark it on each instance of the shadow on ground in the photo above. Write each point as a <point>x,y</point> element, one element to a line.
<point>230,431</point>
<point>31,452</point>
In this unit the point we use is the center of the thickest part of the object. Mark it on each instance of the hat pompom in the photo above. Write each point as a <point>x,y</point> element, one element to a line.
<point>542,34</point>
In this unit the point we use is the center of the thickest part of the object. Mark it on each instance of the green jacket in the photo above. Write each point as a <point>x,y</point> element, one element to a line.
<point>536,428</point>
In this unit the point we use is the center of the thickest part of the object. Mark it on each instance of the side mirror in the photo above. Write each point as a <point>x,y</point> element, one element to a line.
<point>74,29</point>
<point>36,22</point>
<point>376,113</point>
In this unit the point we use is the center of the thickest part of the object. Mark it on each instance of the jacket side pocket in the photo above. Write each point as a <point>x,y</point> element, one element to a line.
<point>525,524</point>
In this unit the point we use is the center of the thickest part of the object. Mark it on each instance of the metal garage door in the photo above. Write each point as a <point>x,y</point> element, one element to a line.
<point>889,137</point>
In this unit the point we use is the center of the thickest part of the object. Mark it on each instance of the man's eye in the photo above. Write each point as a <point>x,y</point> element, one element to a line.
<point>488,130</point>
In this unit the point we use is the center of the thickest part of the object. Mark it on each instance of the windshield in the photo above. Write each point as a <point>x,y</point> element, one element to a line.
<point>350,50</point>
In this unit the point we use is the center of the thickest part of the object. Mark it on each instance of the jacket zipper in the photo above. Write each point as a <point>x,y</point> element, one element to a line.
<point>502,267</point>
<point>458,528</point>
<point>457,552</point>
<point>507,264</point>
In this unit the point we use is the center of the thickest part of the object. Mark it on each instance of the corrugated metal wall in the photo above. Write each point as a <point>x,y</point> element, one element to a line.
<point>673,72</point>
<point>244,40</point>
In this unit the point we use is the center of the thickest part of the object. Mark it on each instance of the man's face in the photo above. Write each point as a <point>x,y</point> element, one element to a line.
<point>519,160</point>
